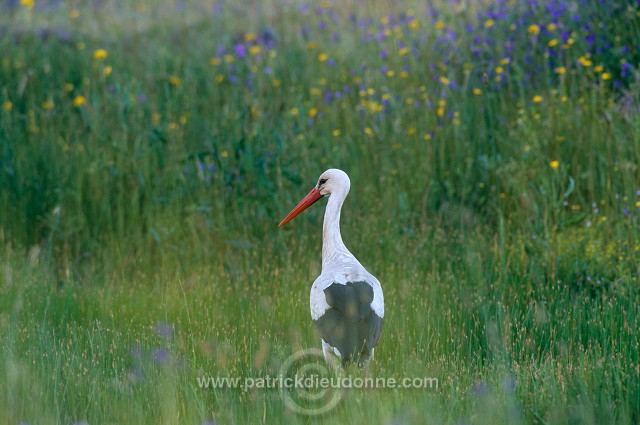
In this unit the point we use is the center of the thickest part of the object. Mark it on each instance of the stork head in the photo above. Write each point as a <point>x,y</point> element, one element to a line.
<point>332,181</point>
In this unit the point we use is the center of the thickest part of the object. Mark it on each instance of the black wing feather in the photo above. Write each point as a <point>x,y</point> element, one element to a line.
<point>350,324</point>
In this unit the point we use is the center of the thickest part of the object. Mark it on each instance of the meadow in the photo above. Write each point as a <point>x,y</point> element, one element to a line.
<point>149,149</point>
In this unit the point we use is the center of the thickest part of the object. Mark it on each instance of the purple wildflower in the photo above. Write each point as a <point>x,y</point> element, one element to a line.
<point>328,97</point>
<point>240,50</point>
<point>165,330</point>
<point>481,389</point>
<point>160,355</point>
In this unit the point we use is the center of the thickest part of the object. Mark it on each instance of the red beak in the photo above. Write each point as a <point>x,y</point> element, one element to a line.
<point>308,200</point>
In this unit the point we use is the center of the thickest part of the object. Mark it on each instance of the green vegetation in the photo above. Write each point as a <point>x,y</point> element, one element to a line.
<point>149,150</point>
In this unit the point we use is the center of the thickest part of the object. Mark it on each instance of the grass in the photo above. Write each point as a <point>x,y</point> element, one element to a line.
<point>495,197</point>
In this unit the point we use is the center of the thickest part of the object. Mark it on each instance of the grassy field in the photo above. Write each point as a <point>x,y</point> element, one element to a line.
<point>149,150</point>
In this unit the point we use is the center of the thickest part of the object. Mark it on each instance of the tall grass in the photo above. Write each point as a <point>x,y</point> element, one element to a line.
<point>149,150</point>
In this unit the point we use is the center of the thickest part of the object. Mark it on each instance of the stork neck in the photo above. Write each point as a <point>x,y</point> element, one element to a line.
<point>333,249</point>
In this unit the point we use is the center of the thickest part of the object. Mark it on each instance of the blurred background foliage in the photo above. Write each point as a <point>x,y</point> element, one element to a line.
<point>122,133</point>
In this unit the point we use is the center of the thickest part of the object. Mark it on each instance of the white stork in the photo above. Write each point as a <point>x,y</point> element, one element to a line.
<point>347,305</point>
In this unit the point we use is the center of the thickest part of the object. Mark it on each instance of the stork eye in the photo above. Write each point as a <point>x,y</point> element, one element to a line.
<point>321,182</point>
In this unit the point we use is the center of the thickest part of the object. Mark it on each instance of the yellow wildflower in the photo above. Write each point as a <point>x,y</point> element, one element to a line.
<point>537,99</point>
<point>554,164</point>
<point>585,61</point>
<point>560,70</point>
<point>29,4</point>
<point>488,23</point>
<point>533,29</point>
<point>107,71</point>
<point>606,76</point>
<point>79,101</point>
<point>7,106</point>
<point>477,91</point>
<point>313,112</point>
<point>335,133</point>
<point>100,54</point>
<point>323,57</point>
<point>175,81</point>
<point>445,81</point>
<point>439,25</point>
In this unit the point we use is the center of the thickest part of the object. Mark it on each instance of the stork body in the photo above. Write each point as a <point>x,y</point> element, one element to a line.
<point>347,305</point>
